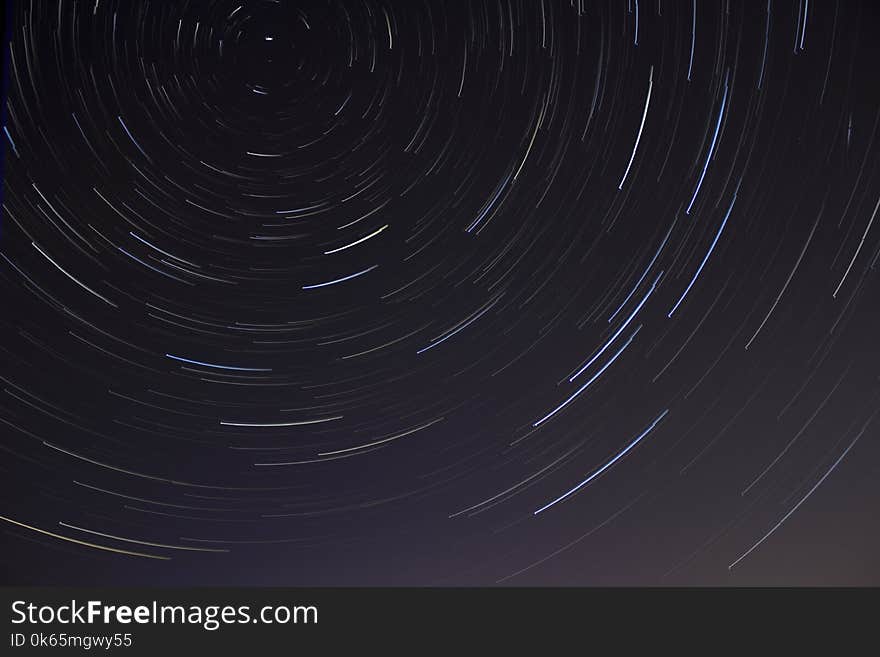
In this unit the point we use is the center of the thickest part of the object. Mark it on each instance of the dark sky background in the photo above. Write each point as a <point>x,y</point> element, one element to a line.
<point>519,292</point>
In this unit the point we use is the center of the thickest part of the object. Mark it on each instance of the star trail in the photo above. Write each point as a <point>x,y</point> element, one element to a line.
<point>426,292</point>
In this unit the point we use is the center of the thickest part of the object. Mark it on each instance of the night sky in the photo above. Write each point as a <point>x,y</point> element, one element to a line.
<point>424,292</point>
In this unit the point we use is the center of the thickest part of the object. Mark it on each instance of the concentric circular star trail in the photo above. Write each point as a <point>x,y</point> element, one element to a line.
<point>432,292</point>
